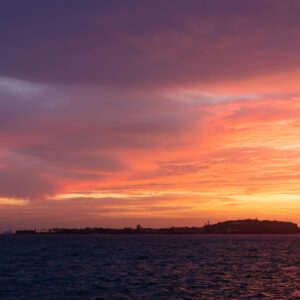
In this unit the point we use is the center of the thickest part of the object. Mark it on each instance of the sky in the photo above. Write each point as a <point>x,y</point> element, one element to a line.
<point>162,113</point>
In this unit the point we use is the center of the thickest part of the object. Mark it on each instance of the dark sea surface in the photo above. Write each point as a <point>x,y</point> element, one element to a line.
<point>149,267</point>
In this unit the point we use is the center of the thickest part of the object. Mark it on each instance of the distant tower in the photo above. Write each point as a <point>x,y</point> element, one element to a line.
<point>139,227</point>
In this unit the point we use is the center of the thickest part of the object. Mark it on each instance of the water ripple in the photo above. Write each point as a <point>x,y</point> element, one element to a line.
<point>150,267</point>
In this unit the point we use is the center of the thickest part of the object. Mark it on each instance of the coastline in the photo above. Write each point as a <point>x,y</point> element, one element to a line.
<point>233,227</point>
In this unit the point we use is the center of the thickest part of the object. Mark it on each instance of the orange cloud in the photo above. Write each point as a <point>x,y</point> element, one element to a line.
<point>188,116</point>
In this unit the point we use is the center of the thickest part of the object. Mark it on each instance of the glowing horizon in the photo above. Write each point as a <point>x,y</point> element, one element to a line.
<point>161,113</point>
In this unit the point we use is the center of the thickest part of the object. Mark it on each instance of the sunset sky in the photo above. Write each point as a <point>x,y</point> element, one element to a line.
<point>174,112</point>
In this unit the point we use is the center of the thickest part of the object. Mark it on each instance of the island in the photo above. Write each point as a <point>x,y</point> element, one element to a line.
<point>248,226</point>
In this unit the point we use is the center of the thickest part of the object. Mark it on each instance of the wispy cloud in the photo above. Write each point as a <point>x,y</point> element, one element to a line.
<point>176,110</point>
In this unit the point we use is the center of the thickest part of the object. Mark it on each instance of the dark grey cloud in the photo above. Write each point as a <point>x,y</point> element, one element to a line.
<point>60,119</point>
<point>147,43</point>
<point>52,134</point>
<point>25,178</point>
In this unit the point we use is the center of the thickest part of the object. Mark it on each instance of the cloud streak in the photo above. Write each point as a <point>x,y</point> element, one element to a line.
<point>167,112</point>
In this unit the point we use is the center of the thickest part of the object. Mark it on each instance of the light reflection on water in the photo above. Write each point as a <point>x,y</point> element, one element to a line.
<point>149,267</point>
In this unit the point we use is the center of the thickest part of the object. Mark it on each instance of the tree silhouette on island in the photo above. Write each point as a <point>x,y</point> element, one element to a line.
<point>248,226</point>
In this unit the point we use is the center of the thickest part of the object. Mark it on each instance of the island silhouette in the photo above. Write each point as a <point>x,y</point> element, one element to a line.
<point>248,226</point>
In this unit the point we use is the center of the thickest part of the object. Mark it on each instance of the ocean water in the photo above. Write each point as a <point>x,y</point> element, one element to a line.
<point>149,267</point>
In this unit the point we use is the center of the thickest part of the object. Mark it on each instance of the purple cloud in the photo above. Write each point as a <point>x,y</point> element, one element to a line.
<point>156,43</point>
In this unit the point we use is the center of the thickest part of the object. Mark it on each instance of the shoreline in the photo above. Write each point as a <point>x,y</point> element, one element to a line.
<point>233,227</point>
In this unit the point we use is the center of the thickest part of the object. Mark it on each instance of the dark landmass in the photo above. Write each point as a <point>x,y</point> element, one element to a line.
<point>248,226</point>
<point>252,227</point>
